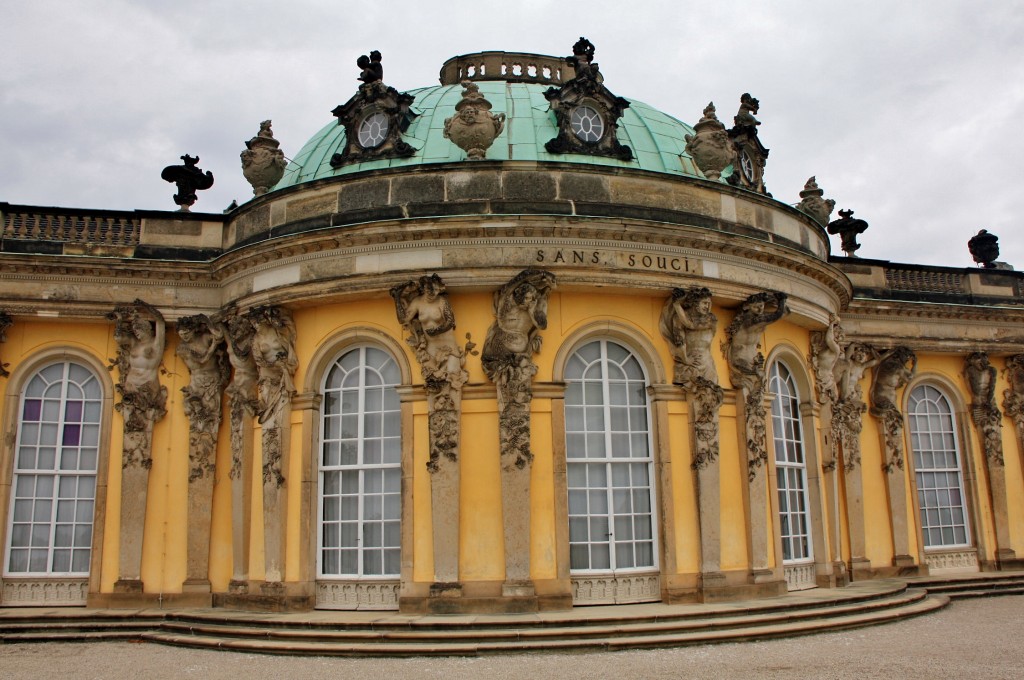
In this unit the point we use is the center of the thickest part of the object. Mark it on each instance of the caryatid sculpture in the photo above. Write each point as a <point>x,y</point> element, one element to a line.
<point>273,352</point>
<point>1013,398</point>
<point>424,311</point>
<point>848,410</point>
<point>826,351</point>
<point>981,378</point>
<point>202,350</point>
<point>688,325</point>
<point>746,367</point>
<point>893,373</point>
<point>139,332</point>
<point>520,313</point>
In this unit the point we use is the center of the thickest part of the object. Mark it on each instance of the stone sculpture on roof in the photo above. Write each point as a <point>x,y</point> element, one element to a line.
<point>189,179</point>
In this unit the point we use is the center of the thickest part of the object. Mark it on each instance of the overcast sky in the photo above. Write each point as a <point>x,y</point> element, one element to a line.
<point>909,113</point>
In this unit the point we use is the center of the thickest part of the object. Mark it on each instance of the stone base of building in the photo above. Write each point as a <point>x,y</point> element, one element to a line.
<point>266,597</point>
<point>485,597</point>
<point>902,566</point>
<point>740,585</point>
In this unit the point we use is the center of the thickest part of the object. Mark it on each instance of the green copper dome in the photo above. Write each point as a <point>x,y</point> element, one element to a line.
<point>657,139</point>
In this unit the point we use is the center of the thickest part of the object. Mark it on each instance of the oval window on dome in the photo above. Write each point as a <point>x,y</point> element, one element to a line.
<point>586,124</point>
<point>373,130</point>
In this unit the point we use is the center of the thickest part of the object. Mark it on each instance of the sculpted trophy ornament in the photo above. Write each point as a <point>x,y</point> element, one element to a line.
<point>202,351</point>
<point>812,203</point>
<point>263,162</point>
<point>984,248</point>
<point>848,227</point>
<point>473,128</point>
<point>688,325</point>
<point>893,372</point>
<point>710,146</point>
<point>981,378</point>
<point>189,179</point>
<point>520,313</point>
<point>746,367</point>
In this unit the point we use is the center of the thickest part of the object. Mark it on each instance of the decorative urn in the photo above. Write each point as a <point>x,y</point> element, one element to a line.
<point>710,148</point>
<point>263,163</point>
<point>811,202</point>
<point>473,128</point>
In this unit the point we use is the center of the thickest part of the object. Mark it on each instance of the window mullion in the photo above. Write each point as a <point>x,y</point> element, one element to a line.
<point>361,461</point>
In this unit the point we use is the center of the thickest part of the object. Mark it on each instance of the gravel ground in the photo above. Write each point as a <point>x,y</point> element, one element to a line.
<point>969,639</point>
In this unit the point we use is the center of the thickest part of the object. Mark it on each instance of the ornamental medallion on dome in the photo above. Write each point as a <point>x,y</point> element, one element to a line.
<point>751,155</point>
<point>586,111</point>
<point>374,118</point>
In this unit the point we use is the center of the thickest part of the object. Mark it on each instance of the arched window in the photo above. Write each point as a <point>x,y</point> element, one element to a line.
<point>609,461</point>
<point>790,467</point>
<point>360,467</point>
<point>53,491</point>
<point>940,484</point>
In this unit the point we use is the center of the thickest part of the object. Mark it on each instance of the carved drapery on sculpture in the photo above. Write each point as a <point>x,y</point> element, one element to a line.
<point>892,373</point>
<point>5,322</point>
<point>688,325</point>
<point>520,313</point>
<point>243,394</point>
<point>139,332</point>
<point>586,112</point>
<point>473,128</point>
<point>424,311</point>
<point>273,352</point>
<point>746,368</point>
<point>710,147</point>
<point>189,179</point>
<point>811,202</point>
<point>848,411</point>
<point>981,378</point>
<point>374,118</point>
<point>202,350</point>
<point>751,155</point>
<point>263,162</point>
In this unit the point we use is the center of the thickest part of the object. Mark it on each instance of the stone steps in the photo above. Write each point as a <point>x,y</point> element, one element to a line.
<point>961,586</point>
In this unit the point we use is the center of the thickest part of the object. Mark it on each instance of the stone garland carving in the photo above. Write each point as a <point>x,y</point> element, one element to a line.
<point>243,394</point>
<point>520,313</point>
<point>202,350</point>
<point>811,202</point>
<point>273,352</point>
<point>5,322</point>
<point>893,372</point>
<point>710,146</point>
<point>424,311</point>
<point>263,162</point>
<point>473,128</point>
<point>981,378</point>
<point>374,99</point>
<point>139,332</point>
<point>689,326</point>
<point>848,411</point>
<point>1013,398</point>
<point>746,368</point>
<point>586,89</point>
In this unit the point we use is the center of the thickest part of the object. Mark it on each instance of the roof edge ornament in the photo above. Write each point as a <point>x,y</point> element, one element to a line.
<point>513,67</point>
<point>374,118</point>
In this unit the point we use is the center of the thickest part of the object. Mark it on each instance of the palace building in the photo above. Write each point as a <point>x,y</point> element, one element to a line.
<point>513,342</point>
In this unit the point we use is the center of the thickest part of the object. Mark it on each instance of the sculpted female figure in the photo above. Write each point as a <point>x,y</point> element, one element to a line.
<point>273,352</point>
<point>689,326</point>
<point>826,350</point>
<point>422,307</point>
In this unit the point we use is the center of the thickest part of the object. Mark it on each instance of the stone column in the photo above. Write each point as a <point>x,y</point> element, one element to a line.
<point>520,311</point>
<point>139,332</point>
<point>423,310</point>
<point>273,351</point>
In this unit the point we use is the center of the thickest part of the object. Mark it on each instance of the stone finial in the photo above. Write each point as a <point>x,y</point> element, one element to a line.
<point>473,128</point>
<point>984,248</point>
<point>812,203</point>
<point>189,179</point>
<point>263,163</point>
<point>710,147</point>
<point>848,228</point>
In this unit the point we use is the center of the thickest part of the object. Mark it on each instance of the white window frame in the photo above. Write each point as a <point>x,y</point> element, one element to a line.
<point>790,463</point>
<point>57,474</point>
<point>361,468</point>
<point>610,461</point>
<point>950,444</point>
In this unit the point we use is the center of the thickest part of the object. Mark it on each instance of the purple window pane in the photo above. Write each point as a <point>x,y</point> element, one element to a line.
<point>73,412</point>
<point>33,409</point>
<point>72,435</point>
